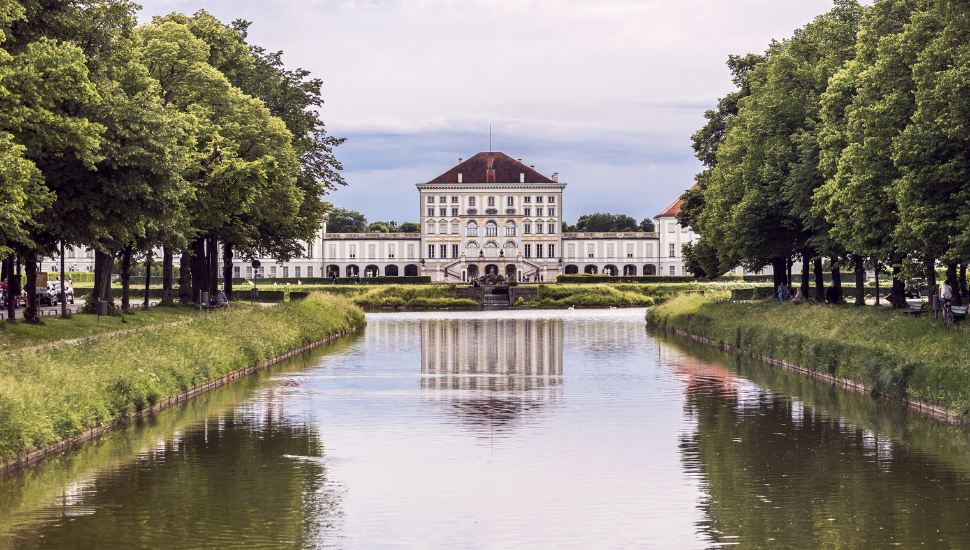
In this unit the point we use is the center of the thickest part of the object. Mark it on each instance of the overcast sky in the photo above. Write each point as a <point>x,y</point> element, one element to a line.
<point>606,93</point>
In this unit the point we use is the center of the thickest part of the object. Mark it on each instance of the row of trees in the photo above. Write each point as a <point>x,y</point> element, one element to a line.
<point>846,141</point>
<point>176,134</point>
<point>342,220</point>
<point>609,223</point>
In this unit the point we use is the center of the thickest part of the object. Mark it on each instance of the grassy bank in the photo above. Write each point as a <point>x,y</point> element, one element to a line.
<point>900,356</point>
<point>53,393</point>
<point>403,296</point>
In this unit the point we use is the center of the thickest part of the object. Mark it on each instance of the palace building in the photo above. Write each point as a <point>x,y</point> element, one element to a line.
<point>488,214</point>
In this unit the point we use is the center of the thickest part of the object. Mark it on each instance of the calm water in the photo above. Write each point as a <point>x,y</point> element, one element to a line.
<point>508,430</point>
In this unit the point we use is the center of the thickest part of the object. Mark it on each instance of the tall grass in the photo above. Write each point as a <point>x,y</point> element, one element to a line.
<point>54,393</point>
<point>408,296</point>
<point>898,355</point>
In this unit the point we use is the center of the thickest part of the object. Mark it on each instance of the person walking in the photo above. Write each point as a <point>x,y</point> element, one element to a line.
<point>946,294</point>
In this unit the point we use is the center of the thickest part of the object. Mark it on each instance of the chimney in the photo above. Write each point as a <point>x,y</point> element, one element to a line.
<point>459,177</point>
<point>460,160</point>
<point>521,177</point>
<point>555,177</point>
<point>520,161</point>
<point>532,166</point>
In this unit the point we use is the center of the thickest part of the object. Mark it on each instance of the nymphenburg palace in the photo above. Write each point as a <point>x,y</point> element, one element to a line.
<point>489,214</point>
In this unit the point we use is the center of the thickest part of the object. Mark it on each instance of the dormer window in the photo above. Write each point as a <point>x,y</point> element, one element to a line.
<point>472,211</point>
<point>491,211</point>
<point>510,211</point>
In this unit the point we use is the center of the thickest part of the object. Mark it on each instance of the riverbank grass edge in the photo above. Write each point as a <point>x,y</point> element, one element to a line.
<point>55,393</point>
<point>895,355</point>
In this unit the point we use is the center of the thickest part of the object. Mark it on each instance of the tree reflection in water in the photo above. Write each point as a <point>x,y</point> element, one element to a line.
<point>782,467</point>
<point>236,480</point>
<point>491,372</point>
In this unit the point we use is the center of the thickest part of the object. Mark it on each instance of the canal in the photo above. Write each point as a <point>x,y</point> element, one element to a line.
<point>542,429</point>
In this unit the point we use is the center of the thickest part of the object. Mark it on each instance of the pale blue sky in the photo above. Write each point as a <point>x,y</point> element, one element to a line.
<point>606,93</point>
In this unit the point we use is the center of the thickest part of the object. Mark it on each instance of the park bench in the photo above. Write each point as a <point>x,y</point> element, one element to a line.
<point>915,308</point>
<point>959,313</point>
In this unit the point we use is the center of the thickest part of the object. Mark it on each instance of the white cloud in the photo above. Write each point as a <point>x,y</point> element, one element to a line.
<point>607,92</point>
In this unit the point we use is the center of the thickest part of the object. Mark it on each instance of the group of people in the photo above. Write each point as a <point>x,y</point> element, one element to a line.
<point>783,294</point>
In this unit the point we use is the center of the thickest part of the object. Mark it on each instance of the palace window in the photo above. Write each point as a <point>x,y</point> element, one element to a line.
<point>296,271</point>
<point>249,271</point>
<point>454,212</point>
<point>510,228</point>
<point>551,228</point>
<point>672,250</point>
<point>538,199</point>
<point>309,271</point>
<point>571,251</point>
<point>430,228</point>
<point>430,200</point>
<point>454,198</point>
<point>591,250</point>
<point>491,229</point>
<point>552,211</point>
<point>454,228</point>
<point>444,251</point>
<point>235,271</point>
<point>472,229</point>
<point>442,211</point>
<point>552,199</point>
<point>272,272</point>
<point>673,270</point>
<point>442,199</point>
<point>649,250</point>
<point>309,250</point>
<point>491,249</point>
<point>538,251</point>
<point>552,251</point>
<point>371,251</point>
<point>431,251</point>
<point>538,211</point>
<point>510,211</point>
<point>526,211</point>
<point>511,201</point>
<point>390,251</point>
<point>491,211</point>
<point>472,211</point>
<point>352,249</point>
<point>629,250</point>
<point>527,228</point>
<point>491,201</point>
<point>431,212</point>
<point>454,251</point>
<point>410,251</point>
<point>671,227</point>
<point>333,251</point>
<point>609,250</point>
<point>539,229</point>
<point>471,201</point>
<point>528,251</point>
<point>528,199</point>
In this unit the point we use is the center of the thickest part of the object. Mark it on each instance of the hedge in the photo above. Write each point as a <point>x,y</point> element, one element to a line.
<point>382,280</point>
<point>595,279</point>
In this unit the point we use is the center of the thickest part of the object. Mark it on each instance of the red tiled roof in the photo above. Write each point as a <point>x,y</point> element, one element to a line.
<point>673,209</point>
<point>491,168</point>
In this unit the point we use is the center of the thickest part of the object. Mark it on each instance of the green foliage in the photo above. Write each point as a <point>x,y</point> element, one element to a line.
<point>341,220</point>
<point>586,295</point>
<point>594,279</point>
<point>58,392</point>
<point>607,223</point>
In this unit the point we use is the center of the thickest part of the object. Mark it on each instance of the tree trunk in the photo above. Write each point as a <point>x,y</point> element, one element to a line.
<point>63,295</point>
<point>806,284</point>
<point>860,281</point>
<point>17,286</point>
<point>8,276</point>
<point>227,266</point>
<point>837,278</point>
<point>898,295</point>
<point>875,269</point>
<point>103,262</point>
<point>167,261</point>
<point>185,278</point>
<point>931,277</point>
<point>126,280</point>
<point>788,264</point>
<point>148,277</point>
<point>819,281</point>
<point>777,272</point>
<point>951,277</point>
<point>212,251</point>
<point>200,268</point>
<point>30,310</point>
